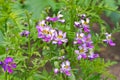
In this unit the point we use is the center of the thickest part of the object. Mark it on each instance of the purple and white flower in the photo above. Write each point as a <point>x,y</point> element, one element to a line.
<point>57,18</point>
<point>92,55</point>
<point>108,40</point>
<point>46,34</point>
<point>40,25</point>
<point>60,38</point>
<point>88,41</point>
<point>77,24</point>
<point>80,38</point>
<point>65,68</point>
<point>85,25</point>
<point>81,52</point>
<point>83,16</point>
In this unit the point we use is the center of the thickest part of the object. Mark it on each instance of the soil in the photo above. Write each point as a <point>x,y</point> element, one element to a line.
<point>113,54</point>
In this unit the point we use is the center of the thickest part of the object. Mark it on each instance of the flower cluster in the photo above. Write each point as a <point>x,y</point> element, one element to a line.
<point>83,24</point>
<point>83,39</point>
<point>65,68</point>
<point>48,34</point>
<point>8,65</point>
<point>108,40</point>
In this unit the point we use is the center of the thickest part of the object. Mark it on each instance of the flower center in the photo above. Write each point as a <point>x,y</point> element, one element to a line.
<point>66,66</point>
<point>85,23</point>
<point>109,37</point>
<point>88,39</point>
<point>79,36</point>
<point>60,36</point>
<point>45,32</point>
<point>81,50</point>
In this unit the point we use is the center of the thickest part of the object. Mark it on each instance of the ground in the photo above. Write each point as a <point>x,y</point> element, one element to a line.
<point>113,54</point>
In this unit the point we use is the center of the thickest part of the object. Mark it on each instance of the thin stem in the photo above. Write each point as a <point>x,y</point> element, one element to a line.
<point>71,16</point>
<point>6,75</point>
<point>29,45</point>
<point>6,25</point>
<point>29,26</point>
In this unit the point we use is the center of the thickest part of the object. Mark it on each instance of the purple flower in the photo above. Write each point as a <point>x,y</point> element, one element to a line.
<point>88,41</point>
<point>65,68</point>
<point>61,20</point>
<point>57,18</point>
<point>25,33</point>
<point>85,25</point>
<point>46,33</point>
<point>81,52</point>
<point>93,56</point>
<point>83,16</point>
<point>80,56</point>
<point>77,24</point>
<point>60,38</point>
<point>1,62</point>
<point>85,22</point>
<point>8,65</point>
<point>56,70</point>
<point>86,28</point>
<point>108,40</point>
<point>42,23</point>
<point>80,38</point>
<point>54,19</point>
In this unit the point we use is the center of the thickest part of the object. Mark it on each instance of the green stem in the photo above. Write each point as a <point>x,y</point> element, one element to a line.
<point>29,42</point>
<point>29,26</point>
<point>6,25</point>
<point>71,16</point>
<point>6,75</point>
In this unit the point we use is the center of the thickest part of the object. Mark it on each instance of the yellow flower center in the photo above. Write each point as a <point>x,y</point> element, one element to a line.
<point>66,66</point>
<point>60,36</point>
<point>45,32</point>
<point>109,37</point>
<point>81,50</point>
<point>42,25</point>
<point>79,36</point>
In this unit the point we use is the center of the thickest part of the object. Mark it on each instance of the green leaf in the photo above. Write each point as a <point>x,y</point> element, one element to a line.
<point>1,37</point>
<point>72,77</point>
<point>2,43</point>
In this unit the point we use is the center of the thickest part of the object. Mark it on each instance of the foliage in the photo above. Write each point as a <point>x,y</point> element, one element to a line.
<point>34,56</point>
